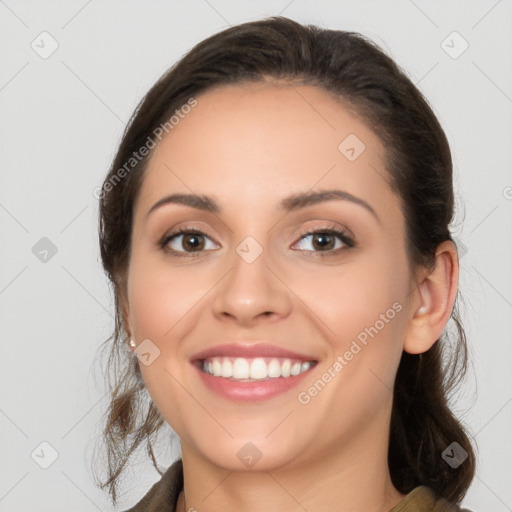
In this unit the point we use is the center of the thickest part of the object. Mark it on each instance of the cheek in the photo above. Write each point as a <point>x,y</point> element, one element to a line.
<point>363,307</point>
<point>365,318</point>
<point>349,299</point>
<point>161,296</point>
<point>153,305</point>
<point>165,304</point>
<point>161,301</point>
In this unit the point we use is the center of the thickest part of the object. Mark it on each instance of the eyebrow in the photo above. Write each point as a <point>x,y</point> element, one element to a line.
<point>288,204</point>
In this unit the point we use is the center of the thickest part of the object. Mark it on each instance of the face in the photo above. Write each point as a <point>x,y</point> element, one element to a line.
<point>325,278</point>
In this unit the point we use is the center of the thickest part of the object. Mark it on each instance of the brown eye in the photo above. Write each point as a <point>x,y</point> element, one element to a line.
<point>326,240</point>
<point>323,241</point>
<point>193,241</point>
<point>187,241</point>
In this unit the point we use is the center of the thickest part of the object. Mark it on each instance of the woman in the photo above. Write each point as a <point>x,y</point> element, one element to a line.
<point>275,225</point>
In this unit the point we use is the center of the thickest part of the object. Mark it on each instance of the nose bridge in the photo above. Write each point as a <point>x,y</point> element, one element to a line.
<point>251,289</point>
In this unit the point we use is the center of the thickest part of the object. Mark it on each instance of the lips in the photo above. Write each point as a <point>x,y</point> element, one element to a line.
<point>249,351</point>
<point>278,370</point>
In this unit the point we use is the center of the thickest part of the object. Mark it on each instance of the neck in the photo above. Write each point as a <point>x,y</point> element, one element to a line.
<point>349,478</point>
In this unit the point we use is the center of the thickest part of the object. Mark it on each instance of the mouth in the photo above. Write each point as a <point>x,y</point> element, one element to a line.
<point>251,373</point>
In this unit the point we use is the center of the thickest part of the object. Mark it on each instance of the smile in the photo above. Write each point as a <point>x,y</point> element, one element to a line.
<point>254,369</point>
<point>251,380</point>
<point>251,372</point>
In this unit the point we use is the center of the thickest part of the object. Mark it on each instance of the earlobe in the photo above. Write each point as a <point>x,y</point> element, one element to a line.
<point>132,345</point>
<point>436,296</point>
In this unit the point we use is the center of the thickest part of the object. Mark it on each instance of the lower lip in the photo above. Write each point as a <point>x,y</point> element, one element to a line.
<point>256,391</point>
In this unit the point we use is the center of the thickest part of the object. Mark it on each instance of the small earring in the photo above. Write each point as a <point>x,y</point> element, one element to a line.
<point>132,343</point>
<point>422,310</point>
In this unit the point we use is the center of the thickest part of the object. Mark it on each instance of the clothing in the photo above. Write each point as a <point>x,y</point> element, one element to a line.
<point>163,496</point>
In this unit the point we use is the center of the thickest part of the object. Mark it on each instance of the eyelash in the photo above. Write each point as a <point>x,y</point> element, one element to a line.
<point>341,234</point>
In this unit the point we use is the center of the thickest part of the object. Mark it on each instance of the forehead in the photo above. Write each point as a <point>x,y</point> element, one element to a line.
<point>255,143</point>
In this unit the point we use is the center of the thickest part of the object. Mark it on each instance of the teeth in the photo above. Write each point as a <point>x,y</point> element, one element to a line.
<point>274,369</point>
<point>259,368</point>
<point>305,367</point>
<point>295,369</point>
<point>285,368</point>
<point>217,368</point>
<point>240,368</point>
<point>227,368</point>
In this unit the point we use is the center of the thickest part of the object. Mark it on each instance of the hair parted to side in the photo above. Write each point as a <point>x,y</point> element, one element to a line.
<point>357,72</point>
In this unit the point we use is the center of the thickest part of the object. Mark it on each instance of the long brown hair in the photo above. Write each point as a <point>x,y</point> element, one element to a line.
<point>419,164</point>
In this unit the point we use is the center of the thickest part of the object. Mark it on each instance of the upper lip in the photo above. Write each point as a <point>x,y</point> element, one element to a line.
<point>249,351</point>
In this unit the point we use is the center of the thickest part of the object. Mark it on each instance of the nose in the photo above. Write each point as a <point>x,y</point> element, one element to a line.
<point>252,293</point>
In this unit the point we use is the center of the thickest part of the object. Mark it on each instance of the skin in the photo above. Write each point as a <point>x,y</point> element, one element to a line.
<point>248,147</point>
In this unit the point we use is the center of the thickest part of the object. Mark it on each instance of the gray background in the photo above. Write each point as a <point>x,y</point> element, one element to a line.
<point>61,118</point>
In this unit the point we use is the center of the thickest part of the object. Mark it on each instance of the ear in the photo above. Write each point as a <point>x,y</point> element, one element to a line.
<point>125,311</point>
<point>435,294</point>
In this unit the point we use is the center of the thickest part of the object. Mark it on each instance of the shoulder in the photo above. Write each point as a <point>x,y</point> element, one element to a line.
<point>425,499</point>
<point>163,495</point>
